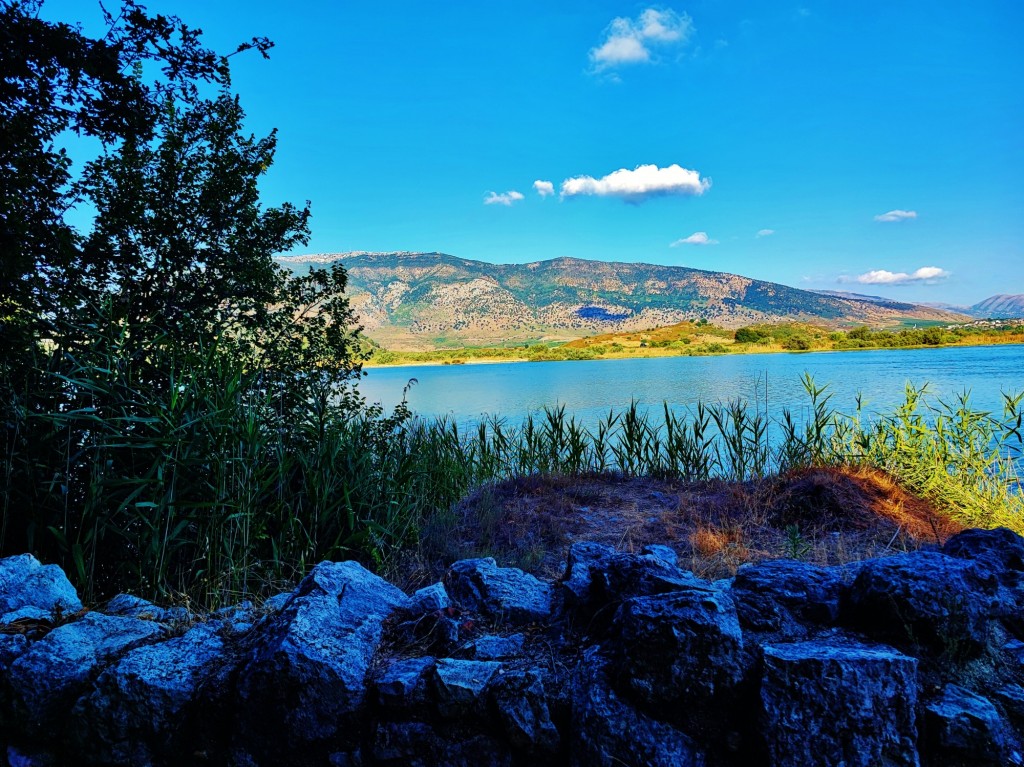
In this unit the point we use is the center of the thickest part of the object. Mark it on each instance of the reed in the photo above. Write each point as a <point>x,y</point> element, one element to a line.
<point>193,477</point>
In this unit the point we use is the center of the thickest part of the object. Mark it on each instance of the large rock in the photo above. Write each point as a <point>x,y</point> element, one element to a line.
<point>783,595</point>
<point>925,601</point>
<point>597,579</point>
<point>303,685</point>
<point>403,685</point>
<point>499,593</point>
<point>962,729</point>
<point>608,732</point>
<point>138,710</point>
<point>521,707</point>
<point>45,682</point>
<point>682,650</point>
<point>839,703</point>
<point>460,685</point>
<point>1001,550</point>
<point>134,607</point>
<point>417,744</point>
<point>24,582</point>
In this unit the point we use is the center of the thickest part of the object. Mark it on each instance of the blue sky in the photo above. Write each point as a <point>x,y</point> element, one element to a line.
<point>876,147</point>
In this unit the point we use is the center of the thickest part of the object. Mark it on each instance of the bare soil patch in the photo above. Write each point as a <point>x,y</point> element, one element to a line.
<point>824,515</point>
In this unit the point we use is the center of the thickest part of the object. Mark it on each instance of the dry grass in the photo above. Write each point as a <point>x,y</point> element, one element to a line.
<point>829,515</point>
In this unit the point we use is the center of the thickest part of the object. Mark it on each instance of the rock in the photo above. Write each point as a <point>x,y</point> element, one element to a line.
<point>962,729</point>
<point>584,559</point>
<point>460,684</point>
<point>681,651</point>
<point>46,681</point>
<point>607,732</point>
<point>521,708</point>
<point>664,553</point>
<point>416,744</point>
<point>830,702</point>
<point>1011,697</point>
<point>597,579</point>
<point>429,599</point>
<point>925,600</point>
<point>303,685</point>
<point>137,711</point>
<point>28,612</point>
<point>402,685</point>
<point>18,757</point>
<point>12,646</point>
<point>499,593</point>
<point>496,647</point>
<point>24,582</point>
<point>1001,550</point>
<point>780,594</point>
<point>277,602</point>
<point>134,607</point>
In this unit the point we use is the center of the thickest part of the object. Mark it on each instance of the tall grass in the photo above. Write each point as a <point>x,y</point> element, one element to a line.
<point>206,485</point>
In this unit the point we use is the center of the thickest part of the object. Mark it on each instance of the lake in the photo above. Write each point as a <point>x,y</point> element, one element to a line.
<point>589,389</point>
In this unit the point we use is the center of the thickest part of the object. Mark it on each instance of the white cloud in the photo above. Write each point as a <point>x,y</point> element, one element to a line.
<point>544,188</point>
<point>697,238</point>
<point>638,184</point>
<point>897,215</point>
<point>765,232</point>
<point>926,275</point>
<point>629,41</point>
<point>492,198</point>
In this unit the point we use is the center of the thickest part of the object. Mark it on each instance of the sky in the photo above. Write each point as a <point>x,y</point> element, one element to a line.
<point>872,147</point>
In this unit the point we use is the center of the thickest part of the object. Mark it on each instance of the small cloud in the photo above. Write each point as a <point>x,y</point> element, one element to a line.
<point>765,232</point>
<point>926,275</point>
<point>629,41</point>
<point>897,215</point>
<point>493,198</point>
<point>802,13</point>
<point>544,188</point>
<point>638,184</point>
<point>697,238</point>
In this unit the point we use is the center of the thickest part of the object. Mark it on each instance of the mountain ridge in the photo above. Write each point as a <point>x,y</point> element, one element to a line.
<point>417,300</point>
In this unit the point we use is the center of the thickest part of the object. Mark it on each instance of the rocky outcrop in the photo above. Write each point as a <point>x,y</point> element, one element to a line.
<point>914,659</point>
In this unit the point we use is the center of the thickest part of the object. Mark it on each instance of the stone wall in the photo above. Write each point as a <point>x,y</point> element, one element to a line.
<point>627,659</point>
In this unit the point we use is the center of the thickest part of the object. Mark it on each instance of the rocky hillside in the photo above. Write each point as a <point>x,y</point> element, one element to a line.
<point>627,659</point>
<point>422,300</point>
<point>1000,306</point>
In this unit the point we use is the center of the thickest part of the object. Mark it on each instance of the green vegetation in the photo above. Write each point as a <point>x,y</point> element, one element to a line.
<point>695,339</point>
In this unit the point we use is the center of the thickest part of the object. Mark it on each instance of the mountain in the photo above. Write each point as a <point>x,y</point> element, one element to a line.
<point>424,300</point>
<point>999,306</point>
<point>1002,306</point>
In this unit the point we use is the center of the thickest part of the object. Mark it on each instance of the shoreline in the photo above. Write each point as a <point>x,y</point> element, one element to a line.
<point>606,358</point>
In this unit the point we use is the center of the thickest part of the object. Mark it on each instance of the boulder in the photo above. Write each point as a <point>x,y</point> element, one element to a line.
<point>496,647</point>
<point>417,744</point>
<point>783,594</point>
<point>499,593</point>
<point>134,607</point>
<point>45,682</point>
<point>460,684</point>
<point>521,708</point>
<point>608,732</point>
<point>403,684</point>
<point>585,558</point>
<point>302,686</point>
<point>429,599</point>
<point>963,729</point>
<point>832,702</point>
<point>682,650</point>
<point>24,582</point>
<point>924,601</point>
<point>138,709</point>
<point>1000,550</point>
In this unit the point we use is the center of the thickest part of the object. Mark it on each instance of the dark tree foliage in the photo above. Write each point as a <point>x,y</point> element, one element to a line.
<point>171,285</point>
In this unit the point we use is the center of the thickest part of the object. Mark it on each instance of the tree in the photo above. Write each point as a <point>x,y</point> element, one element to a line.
<point>171,289</point>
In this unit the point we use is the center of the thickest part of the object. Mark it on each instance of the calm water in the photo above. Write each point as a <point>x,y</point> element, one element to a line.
<point>590,389</point>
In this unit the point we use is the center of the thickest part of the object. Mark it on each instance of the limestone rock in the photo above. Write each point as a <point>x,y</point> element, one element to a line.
<point>772,596</point>
<point>827,703</point>
<point>963,729</point>
<point>303,685</point>
<point>24,582</point>
<point>500,593</point>
<point>46,681</point>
